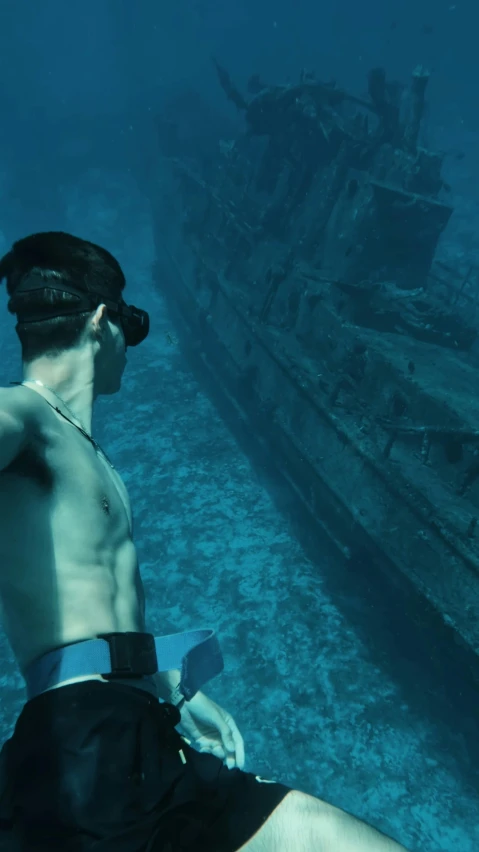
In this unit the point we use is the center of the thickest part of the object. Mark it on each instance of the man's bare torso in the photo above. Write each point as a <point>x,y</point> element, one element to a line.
<point>69,565</point>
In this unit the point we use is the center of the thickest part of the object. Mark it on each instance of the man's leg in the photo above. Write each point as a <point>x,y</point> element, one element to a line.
<point>302,823</point>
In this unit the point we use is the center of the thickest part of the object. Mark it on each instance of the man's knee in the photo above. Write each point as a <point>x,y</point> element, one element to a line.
<point>303,803</point>
<point>302,823</point>
<point>335,828</point>
<point>296,825</point>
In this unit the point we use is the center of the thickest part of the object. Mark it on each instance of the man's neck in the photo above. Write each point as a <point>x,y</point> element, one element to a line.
<point>73,387</point>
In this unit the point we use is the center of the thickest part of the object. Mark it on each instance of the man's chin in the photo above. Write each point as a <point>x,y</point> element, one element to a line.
<point>111,388</point>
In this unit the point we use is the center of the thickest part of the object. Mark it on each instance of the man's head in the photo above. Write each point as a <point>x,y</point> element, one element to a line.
<point>36,269</point>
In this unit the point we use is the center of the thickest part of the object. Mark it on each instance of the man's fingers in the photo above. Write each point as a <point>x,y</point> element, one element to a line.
<point>238,743</point>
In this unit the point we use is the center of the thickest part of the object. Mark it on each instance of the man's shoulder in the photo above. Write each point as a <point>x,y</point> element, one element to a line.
<point>21,423</point>
<point>19,395</point>
<point>17,401</point>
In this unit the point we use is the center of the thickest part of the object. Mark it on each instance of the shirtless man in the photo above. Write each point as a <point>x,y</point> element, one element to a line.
<point>95,761</point>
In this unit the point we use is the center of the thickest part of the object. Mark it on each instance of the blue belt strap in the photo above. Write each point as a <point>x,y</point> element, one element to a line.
<point>197,653</point>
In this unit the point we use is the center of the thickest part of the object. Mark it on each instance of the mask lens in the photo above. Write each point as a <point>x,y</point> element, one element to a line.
<point>135,326</point>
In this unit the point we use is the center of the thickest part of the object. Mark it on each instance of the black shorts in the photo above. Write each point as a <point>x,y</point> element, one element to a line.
<point>96,766</point>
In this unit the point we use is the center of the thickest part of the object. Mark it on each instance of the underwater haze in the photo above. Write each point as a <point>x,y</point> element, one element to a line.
<point>328,680</point>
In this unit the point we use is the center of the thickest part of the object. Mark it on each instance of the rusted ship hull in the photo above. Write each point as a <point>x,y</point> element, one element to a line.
<point>366,406</point>
<point>323,459</point>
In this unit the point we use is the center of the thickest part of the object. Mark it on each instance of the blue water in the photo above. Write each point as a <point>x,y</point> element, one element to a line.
<point>335,691</point>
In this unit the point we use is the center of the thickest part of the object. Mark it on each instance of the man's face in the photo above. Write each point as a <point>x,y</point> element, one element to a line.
<point>118,342</point>
<point>111,358</point>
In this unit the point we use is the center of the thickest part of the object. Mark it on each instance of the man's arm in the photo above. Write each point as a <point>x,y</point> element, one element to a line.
<point>17,424</point>
<point>167,682</point>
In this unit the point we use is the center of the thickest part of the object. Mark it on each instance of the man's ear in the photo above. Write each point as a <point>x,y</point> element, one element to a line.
<point>100,320</point>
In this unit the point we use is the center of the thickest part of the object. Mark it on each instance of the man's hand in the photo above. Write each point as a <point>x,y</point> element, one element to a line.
<point>213,730</point>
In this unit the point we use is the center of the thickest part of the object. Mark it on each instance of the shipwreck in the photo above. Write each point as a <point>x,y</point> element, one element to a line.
<point>301,254</point>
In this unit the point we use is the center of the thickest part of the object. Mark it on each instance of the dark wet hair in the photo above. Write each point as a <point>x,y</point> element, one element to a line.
<point>57,257</point>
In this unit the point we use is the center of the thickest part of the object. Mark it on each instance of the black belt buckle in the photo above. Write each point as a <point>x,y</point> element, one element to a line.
<point>131,654</point>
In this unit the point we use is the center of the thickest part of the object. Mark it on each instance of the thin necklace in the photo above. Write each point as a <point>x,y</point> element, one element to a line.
<point>81,428</point>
